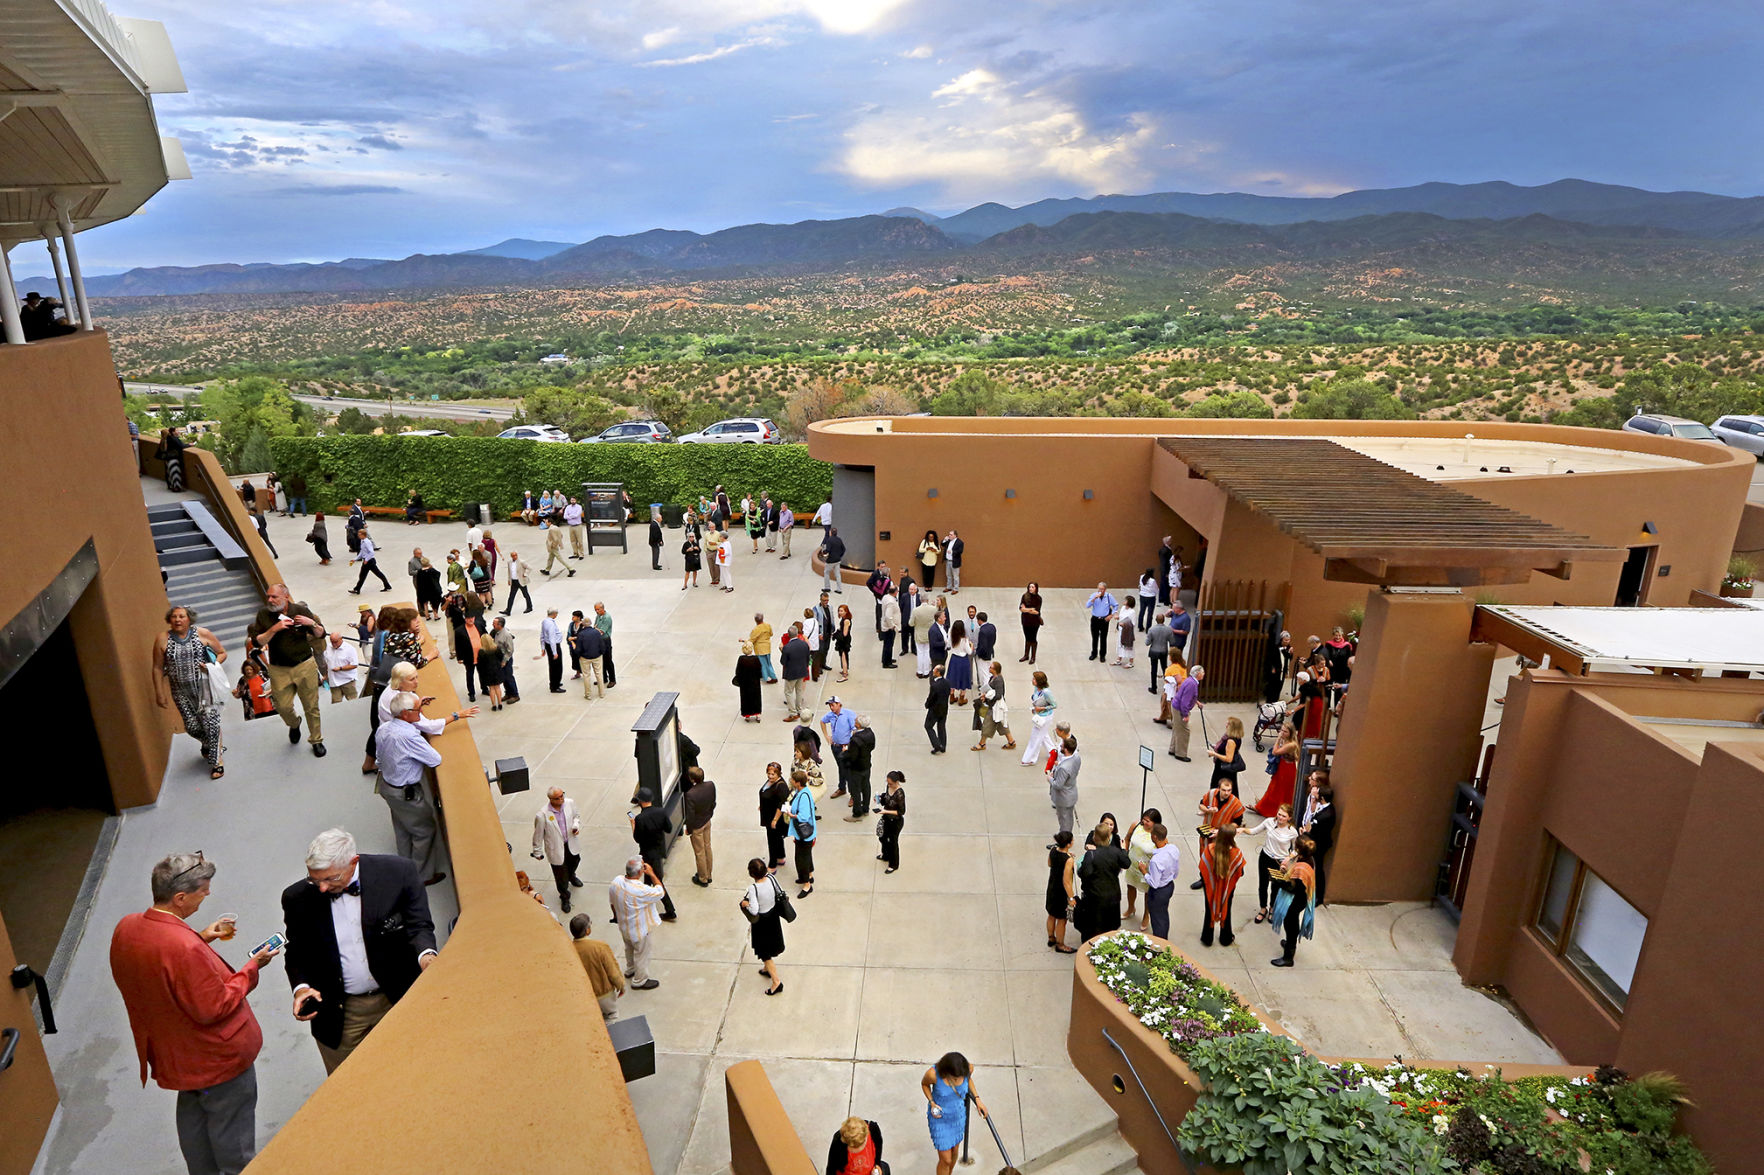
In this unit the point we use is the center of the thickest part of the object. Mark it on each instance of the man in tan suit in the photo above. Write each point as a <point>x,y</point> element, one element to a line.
<point>556,832</point>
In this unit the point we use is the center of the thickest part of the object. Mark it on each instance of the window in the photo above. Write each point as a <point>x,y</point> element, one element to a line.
<point>1589,924</point>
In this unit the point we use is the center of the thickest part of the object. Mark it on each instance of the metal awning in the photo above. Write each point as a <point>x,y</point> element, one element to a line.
<point>1374,523</point>
<point>1583,640</point>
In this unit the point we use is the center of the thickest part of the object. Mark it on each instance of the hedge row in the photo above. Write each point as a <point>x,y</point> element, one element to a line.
<point>451,471</point>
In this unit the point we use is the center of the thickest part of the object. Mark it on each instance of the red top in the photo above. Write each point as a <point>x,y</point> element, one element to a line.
<point>863,1160</point>
<point>186,1005</point>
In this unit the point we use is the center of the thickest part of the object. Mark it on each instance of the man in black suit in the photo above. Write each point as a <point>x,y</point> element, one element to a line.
<point>952,563</point>
<point>359,934</point>
<point>1318,823</point>
<point>937,711</point>
<point>856,761</point>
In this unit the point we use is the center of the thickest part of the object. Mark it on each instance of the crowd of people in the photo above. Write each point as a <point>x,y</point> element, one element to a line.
<point>343,983</point>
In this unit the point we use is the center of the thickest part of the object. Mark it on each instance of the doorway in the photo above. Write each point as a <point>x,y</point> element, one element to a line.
<point>53,798</point>
<point>1632,582</point>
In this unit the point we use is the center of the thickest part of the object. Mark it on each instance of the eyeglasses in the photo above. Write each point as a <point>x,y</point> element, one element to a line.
<point>199,863</point>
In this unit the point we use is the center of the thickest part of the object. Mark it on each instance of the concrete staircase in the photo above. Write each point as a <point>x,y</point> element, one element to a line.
<point>207,571</point>
<point>1099,1151</point>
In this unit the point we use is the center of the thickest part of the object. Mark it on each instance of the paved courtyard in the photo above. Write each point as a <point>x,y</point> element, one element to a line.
<point>883,973</point>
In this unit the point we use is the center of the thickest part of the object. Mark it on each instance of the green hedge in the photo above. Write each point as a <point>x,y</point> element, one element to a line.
<point>450,471</point>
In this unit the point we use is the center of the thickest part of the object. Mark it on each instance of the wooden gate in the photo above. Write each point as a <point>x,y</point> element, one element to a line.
<point>1234,630</point>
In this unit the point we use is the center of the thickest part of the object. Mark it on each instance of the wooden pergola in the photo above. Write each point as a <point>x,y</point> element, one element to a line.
<point>1376,524</point>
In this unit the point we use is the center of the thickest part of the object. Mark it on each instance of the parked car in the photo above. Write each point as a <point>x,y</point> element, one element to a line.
<point>1742,432</point>
<point>641,432</point>
<point>423,432</point>
<point>746,430</point>
<point>1655,425</point>
<point>534,432</point>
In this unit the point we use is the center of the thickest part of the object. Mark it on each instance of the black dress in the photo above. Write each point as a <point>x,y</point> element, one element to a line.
<point>1031,624</point>
<point>1225,770</point>
<point>747,680</point>
<point>1056,884</point>
<point>842,642</point>
<point>767,931</point>
<point>772,796</point>
<point>1099,909</point>
<point>693,553</point>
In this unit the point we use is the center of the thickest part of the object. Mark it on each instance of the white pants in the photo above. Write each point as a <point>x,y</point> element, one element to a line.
<point>1041,739</point>
<point>924,658</point>
<point>637,957</point>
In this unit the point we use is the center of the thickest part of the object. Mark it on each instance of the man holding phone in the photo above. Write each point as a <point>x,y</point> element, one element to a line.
<point>187,1010</point>
<point>359,934</point>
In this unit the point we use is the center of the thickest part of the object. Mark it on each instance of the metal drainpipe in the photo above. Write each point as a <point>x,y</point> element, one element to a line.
<point>9,321</point>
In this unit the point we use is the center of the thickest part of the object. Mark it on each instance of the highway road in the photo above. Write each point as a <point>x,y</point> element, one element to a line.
<point>446,409</point>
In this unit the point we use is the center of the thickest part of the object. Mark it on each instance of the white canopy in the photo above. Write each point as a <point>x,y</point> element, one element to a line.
<point>1711,640</point>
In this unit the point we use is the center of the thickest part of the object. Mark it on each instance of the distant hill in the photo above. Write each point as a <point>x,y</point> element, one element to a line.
<point>1586,224</point>
<point>526,250</point>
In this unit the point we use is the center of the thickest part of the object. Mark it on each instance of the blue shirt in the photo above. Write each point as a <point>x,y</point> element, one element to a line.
<point>1179,625</point>
<point>402,752</point>
<point>802,808</point>
<point>840,726</point>
<point>1103,606</point>
<point>1164,865</point>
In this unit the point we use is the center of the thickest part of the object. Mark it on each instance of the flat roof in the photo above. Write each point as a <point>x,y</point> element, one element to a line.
<point>1482,458</point>
<point>1581,640</point>
<point>1375,523</point>
<point>1695,736</point>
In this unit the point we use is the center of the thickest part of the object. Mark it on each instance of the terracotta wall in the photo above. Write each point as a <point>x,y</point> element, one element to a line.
<point>1049,462</point>
<point>62,411</point>
<point>497,1059</point>
<point>1408,735</point>
<point>27,1089</point>
<point>761,1139</point>
<point>1668,833</point>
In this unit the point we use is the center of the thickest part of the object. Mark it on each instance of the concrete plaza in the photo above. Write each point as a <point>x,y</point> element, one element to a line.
<point>883,973</point>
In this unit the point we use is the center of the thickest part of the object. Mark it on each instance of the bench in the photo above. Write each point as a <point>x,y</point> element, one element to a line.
<point>398,512</point>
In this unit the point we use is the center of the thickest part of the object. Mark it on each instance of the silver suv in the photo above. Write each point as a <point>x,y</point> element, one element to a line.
<point>1655,425</point>
<point>745,430</point>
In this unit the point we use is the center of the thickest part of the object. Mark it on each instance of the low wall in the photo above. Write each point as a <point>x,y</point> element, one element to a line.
<point>204,475</point>
<point>497,1060</point>
<point>1169,1084</point>
<point>761,1139</point>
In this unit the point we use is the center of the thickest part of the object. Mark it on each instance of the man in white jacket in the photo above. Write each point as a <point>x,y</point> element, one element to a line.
<point>556,832</point>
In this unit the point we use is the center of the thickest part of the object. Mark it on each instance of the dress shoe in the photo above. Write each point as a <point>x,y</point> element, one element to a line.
<point>1198,885</point>
<point>318,750</point>
<point>294,734</point>
<point>576,883</point>
<point>649,985</point>
<point>1283,961</point>
<point>670,917</point>
<point>563,902</point>
<point>437,879</point>
<point>700,883</point>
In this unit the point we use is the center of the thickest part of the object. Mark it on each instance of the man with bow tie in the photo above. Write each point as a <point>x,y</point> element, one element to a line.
<point>556,828</point>
<point>359,934</point>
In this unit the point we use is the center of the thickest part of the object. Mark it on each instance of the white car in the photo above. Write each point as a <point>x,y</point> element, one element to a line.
<point>746,430</point>
<point>423,432</point>
<point>534,432</point>
<point>1654,424</point>
<point>1742,432</point>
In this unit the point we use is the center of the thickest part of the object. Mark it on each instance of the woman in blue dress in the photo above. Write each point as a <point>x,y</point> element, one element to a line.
<point>947,1085</point>
<point>961,665</point>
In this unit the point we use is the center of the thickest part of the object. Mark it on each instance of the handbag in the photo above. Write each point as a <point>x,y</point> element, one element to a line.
<point>216,679</point>
<point>781,902</point>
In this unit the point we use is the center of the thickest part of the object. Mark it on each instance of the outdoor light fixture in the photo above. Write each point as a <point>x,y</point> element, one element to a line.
<point>1650,528</point>
<point>1089,494</point>
<point>1010,493</point>
<point>931,493</point>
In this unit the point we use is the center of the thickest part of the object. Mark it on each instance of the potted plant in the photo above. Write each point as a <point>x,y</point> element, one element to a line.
<point>1737,583</point>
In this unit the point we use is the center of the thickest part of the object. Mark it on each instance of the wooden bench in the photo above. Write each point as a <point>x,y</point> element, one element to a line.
<point>398,512</point>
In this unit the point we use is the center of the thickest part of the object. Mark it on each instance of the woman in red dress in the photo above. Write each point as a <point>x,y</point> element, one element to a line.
<point>1286,748</point>
<point>1221,865</point>
<point>1313,697</point>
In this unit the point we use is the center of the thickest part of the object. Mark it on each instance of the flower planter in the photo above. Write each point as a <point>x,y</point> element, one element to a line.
<point>1734,591</point>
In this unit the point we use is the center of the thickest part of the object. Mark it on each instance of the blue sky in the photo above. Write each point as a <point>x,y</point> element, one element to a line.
<point>321,129</point>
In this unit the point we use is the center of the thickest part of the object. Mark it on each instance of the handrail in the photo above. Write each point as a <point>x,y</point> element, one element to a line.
<point>1174,1145</point>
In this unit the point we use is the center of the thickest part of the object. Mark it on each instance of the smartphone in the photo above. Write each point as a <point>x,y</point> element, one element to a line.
<point>306,1005</point>
<point>274,942</point>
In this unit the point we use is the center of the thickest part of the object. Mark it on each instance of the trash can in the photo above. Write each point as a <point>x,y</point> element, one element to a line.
<point>673,516</point>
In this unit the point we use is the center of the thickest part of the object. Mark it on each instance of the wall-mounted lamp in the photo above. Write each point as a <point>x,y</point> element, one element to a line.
<point>931,493</point>
<point>1089,495</point>
<point>1010,493</point>
<point>1650,528</point>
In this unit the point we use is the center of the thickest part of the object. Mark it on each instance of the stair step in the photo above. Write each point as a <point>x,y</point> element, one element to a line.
<point>186,555</point>
<point>1109,1155</point>
<point>182,541</point>
<point>179,525</point>
<point>164,511</point>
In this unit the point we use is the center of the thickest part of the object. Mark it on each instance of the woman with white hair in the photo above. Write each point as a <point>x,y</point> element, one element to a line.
<point>404,680</point>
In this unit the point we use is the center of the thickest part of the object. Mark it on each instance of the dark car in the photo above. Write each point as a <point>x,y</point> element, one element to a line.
<point>638,432</point>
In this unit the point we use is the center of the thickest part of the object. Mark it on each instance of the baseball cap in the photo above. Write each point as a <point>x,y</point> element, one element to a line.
<point>644,796</point>
<point>834,699</point>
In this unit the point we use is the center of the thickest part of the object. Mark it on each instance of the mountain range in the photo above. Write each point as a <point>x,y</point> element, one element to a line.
<point>1229,228</point>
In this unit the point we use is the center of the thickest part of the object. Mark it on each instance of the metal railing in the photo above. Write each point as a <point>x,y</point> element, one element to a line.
<point>1146,1093</point>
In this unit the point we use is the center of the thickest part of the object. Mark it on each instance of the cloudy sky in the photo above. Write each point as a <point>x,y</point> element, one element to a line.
<point>322,129</point>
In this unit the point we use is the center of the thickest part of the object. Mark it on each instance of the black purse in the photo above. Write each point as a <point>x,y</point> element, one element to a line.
<point>782,904</point>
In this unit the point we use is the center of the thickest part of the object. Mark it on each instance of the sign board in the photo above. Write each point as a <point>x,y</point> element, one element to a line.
<point>603,506</point>
<point>1148,759</point>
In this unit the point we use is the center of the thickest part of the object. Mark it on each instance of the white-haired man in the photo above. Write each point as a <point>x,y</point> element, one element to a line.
<point>404,756</point>
<point>556,829</point>
<point>634,899</point>
<point>359,934</point>
<point>1183,700</point>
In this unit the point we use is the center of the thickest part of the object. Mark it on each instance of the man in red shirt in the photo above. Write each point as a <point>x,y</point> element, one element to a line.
<point>188,1013</point>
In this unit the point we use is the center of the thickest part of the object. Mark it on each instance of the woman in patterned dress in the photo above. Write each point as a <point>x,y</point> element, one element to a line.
<point>183,663</point>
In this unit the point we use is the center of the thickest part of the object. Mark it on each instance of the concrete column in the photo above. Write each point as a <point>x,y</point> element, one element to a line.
<point>73,264</point>
<point>1409,733</point>
<point>69,308</point>
<point>12,328</point>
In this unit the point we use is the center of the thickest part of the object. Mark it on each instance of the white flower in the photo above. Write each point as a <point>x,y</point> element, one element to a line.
<point>1440,1125</point>
<point>1550,1095</point>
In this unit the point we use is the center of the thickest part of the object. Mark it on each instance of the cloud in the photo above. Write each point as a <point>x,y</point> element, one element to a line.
<point>336,190</point>
<point>986,136</point>
<point>711,54</point>
<point>918,52</point>
<point>661,37</point>
<point>381,141</point>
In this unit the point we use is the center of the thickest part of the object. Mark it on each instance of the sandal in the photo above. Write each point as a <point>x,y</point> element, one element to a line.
<point>1261,915</point>
<point>1010,746</point>
<point>1063,949</point>
<point>217,772</point>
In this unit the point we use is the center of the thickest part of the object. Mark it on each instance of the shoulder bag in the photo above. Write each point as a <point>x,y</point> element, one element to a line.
<point>781,902</point>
